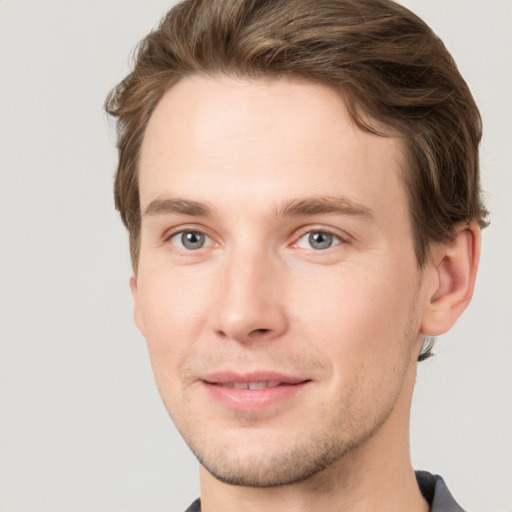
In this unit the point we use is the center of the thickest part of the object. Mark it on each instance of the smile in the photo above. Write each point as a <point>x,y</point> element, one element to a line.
<point>249,385</point>
<point>252,392</point>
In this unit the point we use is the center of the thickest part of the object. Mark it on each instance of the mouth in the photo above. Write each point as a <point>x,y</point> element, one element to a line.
<point>250,385</point>
<point>253,392</point>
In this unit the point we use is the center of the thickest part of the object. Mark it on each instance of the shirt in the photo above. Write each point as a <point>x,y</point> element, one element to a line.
<point>432,487</point>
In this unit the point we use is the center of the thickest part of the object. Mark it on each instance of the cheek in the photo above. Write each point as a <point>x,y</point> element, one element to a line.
<point>173,308</point>
<point>361,320</point>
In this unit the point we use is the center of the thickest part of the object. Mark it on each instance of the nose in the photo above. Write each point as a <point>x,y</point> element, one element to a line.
<point>251,303</point>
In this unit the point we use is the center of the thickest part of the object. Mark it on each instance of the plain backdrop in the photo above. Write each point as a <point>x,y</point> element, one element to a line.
<point>81,426</point>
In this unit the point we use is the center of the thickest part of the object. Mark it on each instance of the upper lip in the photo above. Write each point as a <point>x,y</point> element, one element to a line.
<point>225,377</point>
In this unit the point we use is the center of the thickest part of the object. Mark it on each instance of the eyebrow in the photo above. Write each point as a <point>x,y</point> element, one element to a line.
<point>321,205</point>
<point>294,208</point>
<point>166,206</point>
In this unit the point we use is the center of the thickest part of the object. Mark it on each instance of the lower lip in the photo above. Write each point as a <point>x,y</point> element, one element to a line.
<point>253,399</point>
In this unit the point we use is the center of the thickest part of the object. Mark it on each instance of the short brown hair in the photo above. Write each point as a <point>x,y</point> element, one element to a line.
<point>387,64</point>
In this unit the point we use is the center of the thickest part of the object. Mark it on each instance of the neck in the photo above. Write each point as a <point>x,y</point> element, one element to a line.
<point>377,475</point>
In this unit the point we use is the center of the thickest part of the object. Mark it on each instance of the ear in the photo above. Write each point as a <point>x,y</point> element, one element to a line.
<point>137,316</point>
<point>454,267</point>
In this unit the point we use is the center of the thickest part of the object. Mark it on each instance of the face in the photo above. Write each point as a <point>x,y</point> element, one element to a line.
<point>277,286</point>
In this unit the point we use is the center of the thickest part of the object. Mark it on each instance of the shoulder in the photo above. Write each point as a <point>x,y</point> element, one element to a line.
<point>195,507</point>
<point>436,493</point>
<point>432,487</point>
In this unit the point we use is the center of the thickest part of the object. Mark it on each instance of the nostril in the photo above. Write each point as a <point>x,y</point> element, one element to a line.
<point>258,332</point>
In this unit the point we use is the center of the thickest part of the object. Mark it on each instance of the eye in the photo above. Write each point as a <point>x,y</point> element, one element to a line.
<point>190,240</point>
<point>318,240</point>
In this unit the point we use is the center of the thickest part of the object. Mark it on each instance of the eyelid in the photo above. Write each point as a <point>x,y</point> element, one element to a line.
<point>194,228</point>
<point>335,242</point>
<point>340,235</point>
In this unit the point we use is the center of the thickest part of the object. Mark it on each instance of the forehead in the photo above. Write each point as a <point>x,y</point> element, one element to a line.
<point>278,139</point>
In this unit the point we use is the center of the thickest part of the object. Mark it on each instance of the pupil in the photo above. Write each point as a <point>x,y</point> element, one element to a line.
<point>192,240</point>
<point>320,240</point>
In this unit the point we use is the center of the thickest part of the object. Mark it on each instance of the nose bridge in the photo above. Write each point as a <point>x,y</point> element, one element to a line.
<point>251,304</point>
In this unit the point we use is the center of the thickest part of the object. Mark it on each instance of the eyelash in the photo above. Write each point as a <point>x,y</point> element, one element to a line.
<point>336,237</point>
<point>182,231</point>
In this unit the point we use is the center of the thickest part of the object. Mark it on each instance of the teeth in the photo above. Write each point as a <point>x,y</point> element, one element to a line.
<point>252,385</point>
<point>257,385</point>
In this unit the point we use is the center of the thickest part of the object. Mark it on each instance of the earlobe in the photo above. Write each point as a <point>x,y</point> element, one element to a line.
<point>454,265</point>
<point>136,311</point>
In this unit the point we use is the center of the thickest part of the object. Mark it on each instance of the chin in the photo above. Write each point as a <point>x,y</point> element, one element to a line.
<point>256,464</point>
<point>274,471</point>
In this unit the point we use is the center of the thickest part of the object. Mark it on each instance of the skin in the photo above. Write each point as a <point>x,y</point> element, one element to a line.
<point>238,161</point>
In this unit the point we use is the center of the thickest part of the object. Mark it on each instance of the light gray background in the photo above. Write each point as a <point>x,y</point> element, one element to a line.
<point>81,426</point>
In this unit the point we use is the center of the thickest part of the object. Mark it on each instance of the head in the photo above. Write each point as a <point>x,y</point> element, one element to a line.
<point>396,97</point>
<point>386,63</point>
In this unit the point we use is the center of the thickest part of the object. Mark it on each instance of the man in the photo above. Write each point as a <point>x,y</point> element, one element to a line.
<point>301,188</point>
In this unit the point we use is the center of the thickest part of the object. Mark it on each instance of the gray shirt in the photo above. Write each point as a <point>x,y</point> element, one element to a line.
<point>432,487</point>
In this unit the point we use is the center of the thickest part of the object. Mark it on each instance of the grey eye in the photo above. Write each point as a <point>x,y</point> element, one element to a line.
<point>320,240</point>
<point>317,240</point>
<point>189,240</point>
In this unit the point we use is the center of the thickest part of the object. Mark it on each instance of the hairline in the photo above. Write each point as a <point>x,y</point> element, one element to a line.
<point>359,116</point>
